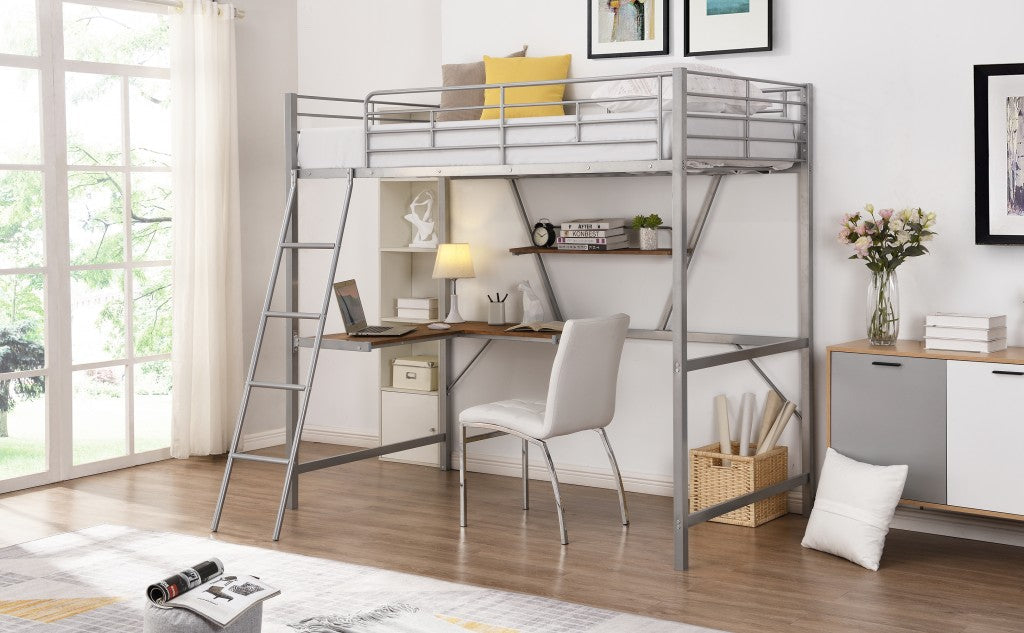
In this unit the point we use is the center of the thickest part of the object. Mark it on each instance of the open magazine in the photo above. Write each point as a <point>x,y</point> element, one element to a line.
<point>204,590</point>
<point>549,326</point>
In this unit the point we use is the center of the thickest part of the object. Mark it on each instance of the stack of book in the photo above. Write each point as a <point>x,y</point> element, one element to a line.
<point>602,234</point>
<point>965,332</point>
<point>416,308</point>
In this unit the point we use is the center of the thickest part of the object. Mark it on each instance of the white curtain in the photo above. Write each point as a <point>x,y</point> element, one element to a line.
<point>206,355</point>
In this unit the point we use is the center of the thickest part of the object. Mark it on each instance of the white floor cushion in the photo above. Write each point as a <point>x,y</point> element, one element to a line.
<point>853,508</point>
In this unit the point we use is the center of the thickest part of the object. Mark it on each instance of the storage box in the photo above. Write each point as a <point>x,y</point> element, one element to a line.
<point>414,372</point>
<point>716,477</point>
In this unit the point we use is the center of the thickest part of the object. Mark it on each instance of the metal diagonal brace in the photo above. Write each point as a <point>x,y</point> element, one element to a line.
<point>544,279</point>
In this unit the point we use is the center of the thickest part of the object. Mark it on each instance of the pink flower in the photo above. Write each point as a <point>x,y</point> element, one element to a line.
<point>861,246</point>
<point>886,213</point>
<point>844,235</point>
<point>862,229</point>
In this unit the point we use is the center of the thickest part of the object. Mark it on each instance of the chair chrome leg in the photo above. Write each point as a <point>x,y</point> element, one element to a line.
<point>618,476</point>
<point>554,486</point>
<point>462,478</point>
<point>526,475</point>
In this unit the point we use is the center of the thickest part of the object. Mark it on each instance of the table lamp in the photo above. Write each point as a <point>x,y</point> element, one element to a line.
<point>453,262</point>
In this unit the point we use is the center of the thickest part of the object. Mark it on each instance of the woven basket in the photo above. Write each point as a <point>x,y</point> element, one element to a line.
<point>712,482</point>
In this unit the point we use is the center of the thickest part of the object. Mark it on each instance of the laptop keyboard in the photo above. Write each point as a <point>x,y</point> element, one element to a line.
<point>374,329</point>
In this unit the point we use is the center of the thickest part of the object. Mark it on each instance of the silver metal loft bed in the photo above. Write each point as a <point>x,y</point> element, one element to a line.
<point>689,123</point>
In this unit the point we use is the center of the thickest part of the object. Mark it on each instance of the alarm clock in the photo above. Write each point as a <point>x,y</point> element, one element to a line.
<point>543,233</point>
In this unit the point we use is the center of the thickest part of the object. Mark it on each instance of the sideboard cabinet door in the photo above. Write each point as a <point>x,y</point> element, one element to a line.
<point>889,410</point>
<point>985,410</point>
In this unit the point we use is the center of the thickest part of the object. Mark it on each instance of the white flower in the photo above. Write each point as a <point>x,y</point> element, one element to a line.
<point>896,224</point>
<point>928,238</point>
<point>902,237</point>
<point>861,245</point>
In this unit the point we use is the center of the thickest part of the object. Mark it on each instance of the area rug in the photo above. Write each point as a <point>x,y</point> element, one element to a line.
<point>93,581</point>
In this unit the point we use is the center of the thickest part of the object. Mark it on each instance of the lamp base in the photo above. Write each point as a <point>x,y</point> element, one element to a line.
<point>453,312</point>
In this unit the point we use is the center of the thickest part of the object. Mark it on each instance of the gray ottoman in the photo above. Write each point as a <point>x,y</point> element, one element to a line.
<point>157,620</point>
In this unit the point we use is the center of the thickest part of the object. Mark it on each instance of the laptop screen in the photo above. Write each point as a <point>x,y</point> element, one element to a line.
<point>352,315</point>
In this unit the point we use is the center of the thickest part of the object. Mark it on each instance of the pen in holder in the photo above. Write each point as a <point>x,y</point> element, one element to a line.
<point>496,309</point>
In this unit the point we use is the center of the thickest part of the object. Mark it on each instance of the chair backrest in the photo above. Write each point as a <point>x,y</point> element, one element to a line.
<point>581,392</point>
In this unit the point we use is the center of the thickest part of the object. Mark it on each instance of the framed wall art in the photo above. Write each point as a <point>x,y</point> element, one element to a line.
<point>627,28</point>
<point>999,154</point>
<point>727,26</point>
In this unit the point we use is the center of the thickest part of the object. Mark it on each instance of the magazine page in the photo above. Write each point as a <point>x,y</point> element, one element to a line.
<point>225,598</point>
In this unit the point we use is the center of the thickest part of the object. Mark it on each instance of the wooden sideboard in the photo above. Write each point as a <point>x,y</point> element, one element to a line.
<point>956,418</point>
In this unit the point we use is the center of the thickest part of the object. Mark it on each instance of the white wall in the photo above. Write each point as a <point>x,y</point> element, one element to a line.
<point>266,58</point>
<point>346,49</point>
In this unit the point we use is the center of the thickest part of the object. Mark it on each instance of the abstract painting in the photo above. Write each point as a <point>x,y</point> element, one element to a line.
<point>624,28</point>
<point>1015,155</point>
<point>999,154</point>
<point>727,26</point>
<point>723,7</point>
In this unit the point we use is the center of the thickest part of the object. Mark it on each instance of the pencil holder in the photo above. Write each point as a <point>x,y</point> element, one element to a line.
<point>496,313</point>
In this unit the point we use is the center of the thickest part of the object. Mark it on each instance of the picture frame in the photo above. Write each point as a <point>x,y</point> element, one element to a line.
<point>715,27</point>
<point>627,28</point>
<point>999,154</point>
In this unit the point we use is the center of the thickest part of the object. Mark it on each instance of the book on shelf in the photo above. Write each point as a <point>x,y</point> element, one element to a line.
<point>615,239</point>
<point>592,247</point>
<point>422,303</point>
<point>416,313</point>
<point>204,590</point>
<point>953,345</point>
<point>965,333</point>
<point>547,326</point>
<point>592,233</point>
<point>948,319</point>
<point>596,224</point>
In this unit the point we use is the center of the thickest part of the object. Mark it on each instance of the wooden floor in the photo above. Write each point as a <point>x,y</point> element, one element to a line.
<point>405,518</point>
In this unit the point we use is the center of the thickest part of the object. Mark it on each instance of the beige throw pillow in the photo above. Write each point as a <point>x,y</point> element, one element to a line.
<point>471,74</point>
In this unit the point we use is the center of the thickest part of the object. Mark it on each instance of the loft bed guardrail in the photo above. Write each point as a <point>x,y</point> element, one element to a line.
<point>677,147</point>
<point>728,117</point>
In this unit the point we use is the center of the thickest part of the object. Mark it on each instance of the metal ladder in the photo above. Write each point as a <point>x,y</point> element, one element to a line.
<point>283,246</point>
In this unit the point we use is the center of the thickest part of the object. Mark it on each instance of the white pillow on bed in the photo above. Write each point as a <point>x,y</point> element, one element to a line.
<point>853,508</point>
<point>648,87</point>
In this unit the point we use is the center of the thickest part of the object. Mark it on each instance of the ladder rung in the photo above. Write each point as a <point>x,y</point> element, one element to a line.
<point>277,385</point>
<point>260,458</point>
<point>316,245</point>
<point>294,315</point>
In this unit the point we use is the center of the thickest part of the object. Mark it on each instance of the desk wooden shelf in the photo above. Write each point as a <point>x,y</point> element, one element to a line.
<point>526,250</point>
<point>422,334</point>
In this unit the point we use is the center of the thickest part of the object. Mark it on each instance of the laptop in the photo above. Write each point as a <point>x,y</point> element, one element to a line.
<point>353,317</point>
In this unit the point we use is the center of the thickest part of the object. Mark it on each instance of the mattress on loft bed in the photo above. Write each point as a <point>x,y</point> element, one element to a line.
<point>332,147</point>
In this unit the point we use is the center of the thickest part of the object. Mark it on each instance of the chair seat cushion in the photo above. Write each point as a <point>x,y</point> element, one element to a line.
<point>524,416</point>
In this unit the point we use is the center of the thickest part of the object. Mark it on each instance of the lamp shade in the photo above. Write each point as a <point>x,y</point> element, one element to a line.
<point>453,262</point>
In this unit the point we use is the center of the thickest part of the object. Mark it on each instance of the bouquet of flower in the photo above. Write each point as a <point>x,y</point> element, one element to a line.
<point>888,239</point>
<point>885,241</point>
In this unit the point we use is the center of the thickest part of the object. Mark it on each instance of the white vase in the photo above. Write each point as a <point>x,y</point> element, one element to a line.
<point>648,239</point>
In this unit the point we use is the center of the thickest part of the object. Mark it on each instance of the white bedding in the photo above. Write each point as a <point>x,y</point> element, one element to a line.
<point>332,147</point>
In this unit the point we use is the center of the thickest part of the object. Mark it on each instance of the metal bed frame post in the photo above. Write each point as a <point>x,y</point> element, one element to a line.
<point>680,447</point>
<point>806,256</point>
<point>291,291</point>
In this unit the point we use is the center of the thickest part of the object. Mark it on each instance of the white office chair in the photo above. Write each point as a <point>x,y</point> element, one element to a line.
<point>581,397</point>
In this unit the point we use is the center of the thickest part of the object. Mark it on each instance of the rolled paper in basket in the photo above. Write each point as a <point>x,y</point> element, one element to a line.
<point>777,428</point>
<point>746,421</point>
<point>722,422</point>
<point>772,408</point>
<point>179,583</point>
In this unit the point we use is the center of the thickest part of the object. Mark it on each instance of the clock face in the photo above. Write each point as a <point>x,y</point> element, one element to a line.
<point>541,236</point>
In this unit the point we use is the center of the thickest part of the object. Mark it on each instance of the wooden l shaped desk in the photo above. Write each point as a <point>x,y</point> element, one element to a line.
<point>469,329</point>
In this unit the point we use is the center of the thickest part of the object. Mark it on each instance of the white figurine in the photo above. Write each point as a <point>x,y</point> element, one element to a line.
<point>423,235</point>
<point>533,309</point>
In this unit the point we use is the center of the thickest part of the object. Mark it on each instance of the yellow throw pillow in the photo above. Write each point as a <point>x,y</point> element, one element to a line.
<point>500,70</point>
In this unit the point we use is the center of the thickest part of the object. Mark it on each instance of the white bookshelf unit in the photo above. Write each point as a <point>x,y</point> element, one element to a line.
<point>406,271</point>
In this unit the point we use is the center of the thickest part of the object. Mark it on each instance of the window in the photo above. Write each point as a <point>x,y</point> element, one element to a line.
<point>85,223</point>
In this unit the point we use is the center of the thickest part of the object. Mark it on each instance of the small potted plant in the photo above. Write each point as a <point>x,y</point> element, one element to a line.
<point>648,226</point>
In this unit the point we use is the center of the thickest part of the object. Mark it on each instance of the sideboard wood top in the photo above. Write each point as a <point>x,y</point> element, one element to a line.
<point>1011,355</point>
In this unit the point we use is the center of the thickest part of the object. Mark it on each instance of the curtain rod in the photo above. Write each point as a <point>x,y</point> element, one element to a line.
<point>177,5</point>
